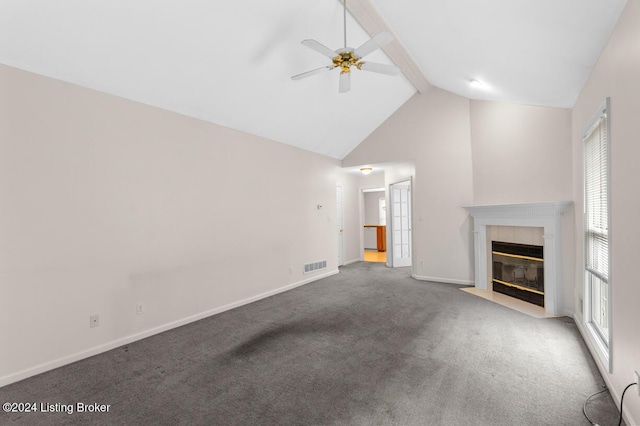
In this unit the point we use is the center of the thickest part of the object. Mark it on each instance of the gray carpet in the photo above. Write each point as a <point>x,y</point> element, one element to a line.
<point>369,346</point>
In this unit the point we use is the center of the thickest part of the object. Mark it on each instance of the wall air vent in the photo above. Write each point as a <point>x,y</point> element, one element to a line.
<point>315,266</point>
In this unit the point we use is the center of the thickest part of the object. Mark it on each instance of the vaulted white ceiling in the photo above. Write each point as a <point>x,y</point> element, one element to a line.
<point>536,52</point>
<point>230,62</point>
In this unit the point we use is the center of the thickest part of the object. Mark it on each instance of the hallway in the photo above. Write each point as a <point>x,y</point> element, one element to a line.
<point>375,256</point>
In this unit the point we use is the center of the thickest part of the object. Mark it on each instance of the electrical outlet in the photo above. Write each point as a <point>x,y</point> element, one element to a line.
<point>291,269</point>
<point>94,321</point>
<point>421,262</point>
<point>637,379</point>
<point>139,309</point>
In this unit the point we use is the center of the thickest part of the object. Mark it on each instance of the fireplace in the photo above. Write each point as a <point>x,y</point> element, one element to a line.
<point>549,216</point>
<point>518,271</point>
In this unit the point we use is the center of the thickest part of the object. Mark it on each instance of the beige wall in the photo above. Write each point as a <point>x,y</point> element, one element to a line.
<point>616,76</point>
<point>520,153</point>
<point>463,152</point>
<point>372,207</point>
<point>432,131</point>
<point>105,203</point>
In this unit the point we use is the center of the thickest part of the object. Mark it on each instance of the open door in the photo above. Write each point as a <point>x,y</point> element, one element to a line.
<point>400,194</point>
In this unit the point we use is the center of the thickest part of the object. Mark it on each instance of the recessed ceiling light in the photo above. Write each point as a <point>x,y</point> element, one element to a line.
<point>477,84</point>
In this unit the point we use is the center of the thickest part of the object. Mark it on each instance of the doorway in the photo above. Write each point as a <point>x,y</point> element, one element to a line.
<point>401,238</point>
<point>375,221</point>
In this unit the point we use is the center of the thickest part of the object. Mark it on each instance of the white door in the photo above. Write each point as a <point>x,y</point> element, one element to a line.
<point>339,226</point>
<point>401,224</point>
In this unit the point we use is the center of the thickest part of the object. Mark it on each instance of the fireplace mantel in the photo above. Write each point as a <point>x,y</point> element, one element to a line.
<point>544,215</point>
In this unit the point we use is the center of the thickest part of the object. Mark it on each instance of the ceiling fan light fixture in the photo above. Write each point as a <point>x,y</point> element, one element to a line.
<point>366,170</point>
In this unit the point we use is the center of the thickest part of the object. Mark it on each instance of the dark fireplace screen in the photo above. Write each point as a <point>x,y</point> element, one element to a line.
<point>518,271</point>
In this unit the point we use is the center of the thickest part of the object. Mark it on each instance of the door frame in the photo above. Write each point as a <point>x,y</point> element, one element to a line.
<point>362,191</point>
<point>390,245</point>
<point>340,224</point>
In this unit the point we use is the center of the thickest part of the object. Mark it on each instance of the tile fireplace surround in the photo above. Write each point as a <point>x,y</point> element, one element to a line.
<point>540,215</point>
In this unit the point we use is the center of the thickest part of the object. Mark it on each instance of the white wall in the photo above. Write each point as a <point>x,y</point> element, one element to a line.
<point>431,130</point>
<point>616,76</point>
<point>105,203</point>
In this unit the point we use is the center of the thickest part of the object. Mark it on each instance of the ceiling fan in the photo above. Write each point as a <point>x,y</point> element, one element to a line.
<point>347,57</point>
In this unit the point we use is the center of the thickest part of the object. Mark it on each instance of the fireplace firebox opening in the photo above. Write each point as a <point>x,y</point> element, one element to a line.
<point>518,271</point>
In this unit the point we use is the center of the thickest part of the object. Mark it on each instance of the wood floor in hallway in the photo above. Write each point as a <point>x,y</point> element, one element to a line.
<point>375,256</point>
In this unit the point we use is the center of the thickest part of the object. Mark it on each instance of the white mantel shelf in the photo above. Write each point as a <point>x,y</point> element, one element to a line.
<point>505,211</point>
<point>544,215</point>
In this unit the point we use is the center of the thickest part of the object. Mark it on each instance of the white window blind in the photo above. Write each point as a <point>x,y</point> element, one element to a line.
<point>596,200</point>
<point>596,232</point>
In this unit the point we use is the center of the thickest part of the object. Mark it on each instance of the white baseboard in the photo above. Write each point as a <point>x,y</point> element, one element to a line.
<point>50,365</point>
<point>442,280</point>
<point>567,313</point>
<point>603,371</point>
<point>349,262</point>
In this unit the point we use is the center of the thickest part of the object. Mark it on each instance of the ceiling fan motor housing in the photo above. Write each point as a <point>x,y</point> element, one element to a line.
<point>345,59</point>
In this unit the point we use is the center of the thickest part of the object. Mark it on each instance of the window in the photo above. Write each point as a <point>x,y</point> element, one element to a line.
<point>596,230</point>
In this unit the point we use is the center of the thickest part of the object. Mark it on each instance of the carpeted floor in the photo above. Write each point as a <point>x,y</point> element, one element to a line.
<point>369,346</point>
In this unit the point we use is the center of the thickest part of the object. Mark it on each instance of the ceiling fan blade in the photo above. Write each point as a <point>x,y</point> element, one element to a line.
<point>345,82</point>
<point>380,68</point>
<point>319,47</point>
<point>312,72</point>
<point>374,42</point>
